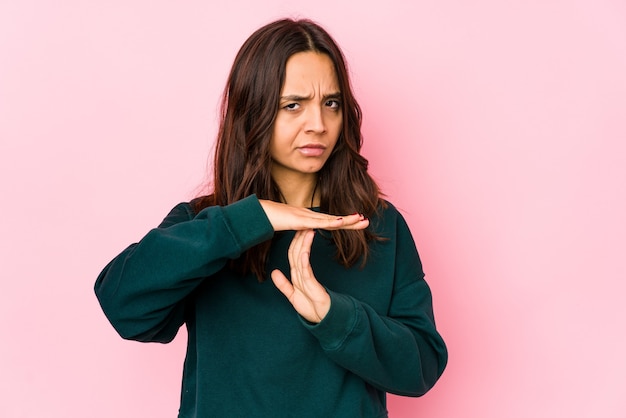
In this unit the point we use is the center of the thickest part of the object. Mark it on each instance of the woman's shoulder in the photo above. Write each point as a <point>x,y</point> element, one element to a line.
<point>387,209</point>
<point>391,225</point>
<point>201,202</point>
<point>180,213</point>
<point>386,218</point>
<point>185,211</point>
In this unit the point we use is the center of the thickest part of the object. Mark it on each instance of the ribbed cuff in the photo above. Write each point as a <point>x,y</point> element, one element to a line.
<point>245,220</point>
<point>338,323</point>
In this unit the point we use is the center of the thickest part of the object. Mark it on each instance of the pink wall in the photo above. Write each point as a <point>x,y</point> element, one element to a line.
<point>499,128</point>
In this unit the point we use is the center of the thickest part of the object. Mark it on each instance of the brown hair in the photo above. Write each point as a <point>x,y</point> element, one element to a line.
<point>242,164</point>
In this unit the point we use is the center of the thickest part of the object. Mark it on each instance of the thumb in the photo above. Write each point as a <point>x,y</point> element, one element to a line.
<point>282,283</point>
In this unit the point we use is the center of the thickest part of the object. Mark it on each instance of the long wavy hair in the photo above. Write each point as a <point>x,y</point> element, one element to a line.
<point>250,103</point>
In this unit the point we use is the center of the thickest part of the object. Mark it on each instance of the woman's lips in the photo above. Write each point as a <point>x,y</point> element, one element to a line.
<point>312,150</point>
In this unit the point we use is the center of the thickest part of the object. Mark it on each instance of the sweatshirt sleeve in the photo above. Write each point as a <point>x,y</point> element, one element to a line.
<point>400,352</point>
<point>142,290</point>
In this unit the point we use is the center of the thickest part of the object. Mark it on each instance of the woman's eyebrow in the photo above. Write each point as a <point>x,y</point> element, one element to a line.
<point>333,96</point>
<point>299,98</point>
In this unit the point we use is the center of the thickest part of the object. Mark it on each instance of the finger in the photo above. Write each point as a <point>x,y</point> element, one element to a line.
<point>313,289</point>
<point>292,256</point>
<point>308,284</point>
<point>303,254</point>
<point>301,243</point>
<point>316,220</point>
<point>355,221</point>
<point>282,283</point>
<point>359,222</point>
<point>307,279</point>
<point>294,249</point>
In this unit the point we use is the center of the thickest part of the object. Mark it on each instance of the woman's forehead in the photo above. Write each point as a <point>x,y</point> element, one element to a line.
<point>310,72</point>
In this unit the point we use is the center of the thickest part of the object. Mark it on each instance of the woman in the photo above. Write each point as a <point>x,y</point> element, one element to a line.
<point>346,316</point>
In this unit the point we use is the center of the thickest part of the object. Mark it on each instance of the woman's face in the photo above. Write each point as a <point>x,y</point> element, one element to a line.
<point>309,118</point>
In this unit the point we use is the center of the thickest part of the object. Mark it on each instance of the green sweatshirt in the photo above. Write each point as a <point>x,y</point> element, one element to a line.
<point>249,353</point>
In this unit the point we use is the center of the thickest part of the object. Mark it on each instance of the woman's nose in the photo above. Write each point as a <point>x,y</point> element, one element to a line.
<point>315,120</point>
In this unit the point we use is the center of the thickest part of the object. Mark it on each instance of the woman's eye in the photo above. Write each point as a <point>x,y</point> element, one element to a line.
<point>291,106</point>
<point>333,104</point>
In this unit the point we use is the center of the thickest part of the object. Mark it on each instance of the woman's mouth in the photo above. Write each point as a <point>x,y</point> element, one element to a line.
<point>312,150</point>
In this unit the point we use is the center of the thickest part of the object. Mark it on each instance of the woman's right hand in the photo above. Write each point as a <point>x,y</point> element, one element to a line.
<point>284,217</point>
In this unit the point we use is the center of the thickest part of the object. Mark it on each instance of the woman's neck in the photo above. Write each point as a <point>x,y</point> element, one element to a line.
<point>301,191</point>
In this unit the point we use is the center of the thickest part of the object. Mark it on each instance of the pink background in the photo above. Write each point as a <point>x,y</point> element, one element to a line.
<point>499,129</point>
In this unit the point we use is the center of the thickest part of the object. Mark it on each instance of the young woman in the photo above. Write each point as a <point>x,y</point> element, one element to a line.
<point>345,316</point>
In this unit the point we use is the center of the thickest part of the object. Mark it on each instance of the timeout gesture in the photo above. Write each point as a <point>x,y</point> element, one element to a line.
<point>306,294</point>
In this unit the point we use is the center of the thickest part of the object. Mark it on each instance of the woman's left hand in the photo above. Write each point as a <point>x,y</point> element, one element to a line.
<point>306,294</point>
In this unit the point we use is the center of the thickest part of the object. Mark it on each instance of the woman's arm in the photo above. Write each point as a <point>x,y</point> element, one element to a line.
<point>400,352</point>
<point>142,290</point>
